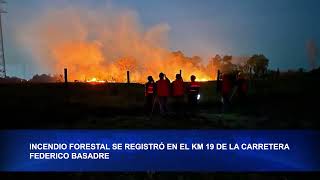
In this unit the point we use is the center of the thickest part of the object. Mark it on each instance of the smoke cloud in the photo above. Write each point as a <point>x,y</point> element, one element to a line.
<point>103,44</point>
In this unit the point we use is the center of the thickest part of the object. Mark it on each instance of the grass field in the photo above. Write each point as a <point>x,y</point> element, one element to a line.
<point>277,104</point>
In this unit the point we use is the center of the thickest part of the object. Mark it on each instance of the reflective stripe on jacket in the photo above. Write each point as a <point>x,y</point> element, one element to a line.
<point>194,88</point>
<point>149,89</point>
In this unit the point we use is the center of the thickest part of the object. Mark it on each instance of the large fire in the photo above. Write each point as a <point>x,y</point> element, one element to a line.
<point>100,47</point>
<point>95,80</point>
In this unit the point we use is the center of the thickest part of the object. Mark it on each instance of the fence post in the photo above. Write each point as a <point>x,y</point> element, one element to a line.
<point>128,77</point>
<point>65,75</point>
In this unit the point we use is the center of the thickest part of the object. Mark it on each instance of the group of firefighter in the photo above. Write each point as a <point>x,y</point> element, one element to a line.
<point>157,93</point>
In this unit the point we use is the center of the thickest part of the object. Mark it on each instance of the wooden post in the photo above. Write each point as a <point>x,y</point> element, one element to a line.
<point>65,75</point>
<point>128,77</point>
<point>278,73</point>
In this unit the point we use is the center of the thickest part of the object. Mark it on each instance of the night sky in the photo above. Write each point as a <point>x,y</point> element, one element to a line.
<point>279,29</point>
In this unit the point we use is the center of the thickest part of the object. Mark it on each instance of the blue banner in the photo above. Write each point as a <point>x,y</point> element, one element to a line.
<point>159,150</point>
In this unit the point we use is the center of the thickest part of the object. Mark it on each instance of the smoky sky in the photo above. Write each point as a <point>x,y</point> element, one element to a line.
<point>279,29</point>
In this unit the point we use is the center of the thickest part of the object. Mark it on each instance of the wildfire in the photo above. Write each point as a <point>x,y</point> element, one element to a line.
<point>95,81</point>
<point>203,80</point>
<point>106,46</point>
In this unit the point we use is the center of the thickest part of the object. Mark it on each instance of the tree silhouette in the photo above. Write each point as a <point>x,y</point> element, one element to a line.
<point>258,64</point>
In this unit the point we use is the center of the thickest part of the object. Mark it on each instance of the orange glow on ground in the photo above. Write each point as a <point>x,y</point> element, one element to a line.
<point>95,81</point>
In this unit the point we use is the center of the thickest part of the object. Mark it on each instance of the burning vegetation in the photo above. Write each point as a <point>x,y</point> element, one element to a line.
<point>102,47</point>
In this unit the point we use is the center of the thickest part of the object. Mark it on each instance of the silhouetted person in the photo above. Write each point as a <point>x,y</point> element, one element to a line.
<point>163,92</point>
<point>226,91</point>
<point>150,91</point>
<point>193,94</point>
<point>219,82</point>
<point>243,87</point>
<point>178,93</point>
<point>278,74</point>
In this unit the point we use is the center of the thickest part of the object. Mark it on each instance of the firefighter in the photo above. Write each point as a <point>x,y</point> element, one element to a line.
<point>243,87</point>
<point>178,93</point>
<point>226,91</point>
<point>163,92</point>
<point>149,94</point>
<point>193,93</point>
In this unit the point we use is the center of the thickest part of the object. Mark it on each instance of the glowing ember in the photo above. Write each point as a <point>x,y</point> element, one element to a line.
<point>95,80</point>
<point>203,80</point>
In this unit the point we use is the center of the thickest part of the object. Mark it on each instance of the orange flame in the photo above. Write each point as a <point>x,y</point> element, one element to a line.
<point>95,80</point>
<point>102,48</point>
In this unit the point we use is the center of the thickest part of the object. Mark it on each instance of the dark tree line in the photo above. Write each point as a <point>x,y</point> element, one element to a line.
<point>255,66</point>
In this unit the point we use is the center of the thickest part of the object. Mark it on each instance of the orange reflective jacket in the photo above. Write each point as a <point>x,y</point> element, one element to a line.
<point>163,87</point>
<point>226,85</point>
<point>149,89</point>
<point>194,88</point>
<point>177,88</point>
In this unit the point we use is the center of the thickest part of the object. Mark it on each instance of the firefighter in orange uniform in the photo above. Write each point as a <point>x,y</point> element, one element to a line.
<point>149,94</point>
<point>163,93</point>
<point>193,93</point>
<point>243,87</point>
<point>226,91</point>
<point>178,93</point>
